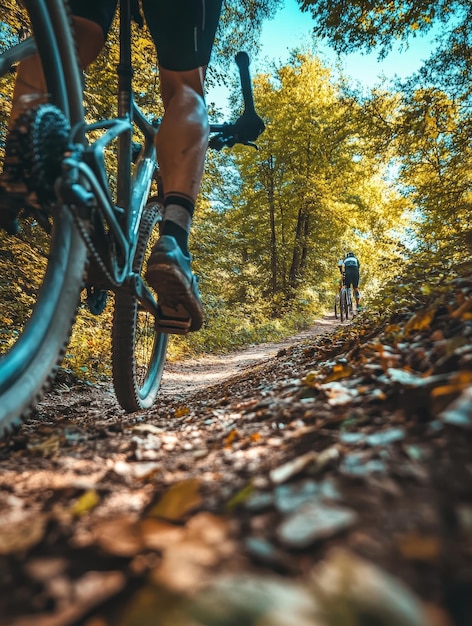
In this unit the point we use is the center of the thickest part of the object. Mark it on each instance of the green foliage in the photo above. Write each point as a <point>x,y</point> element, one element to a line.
<point>435,155</point>
<point>89,350</point>
<point>240,27</point>
<point>315,187</point>
<point>14,28</point>
<point>423,284</point>
<point>386,175</point>
<point>365,24</point>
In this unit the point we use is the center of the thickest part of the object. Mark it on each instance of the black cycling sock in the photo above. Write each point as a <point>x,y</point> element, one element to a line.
<point>177,221</point>
<point>181,200</point>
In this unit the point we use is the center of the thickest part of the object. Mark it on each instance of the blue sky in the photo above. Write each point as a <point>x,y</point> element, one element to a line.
<point>290,28</point>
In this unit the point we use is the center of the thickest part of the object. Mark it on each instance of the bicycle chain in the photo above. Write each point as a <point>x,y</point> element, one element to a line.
<point>146,221</point>
<point>96,256</point>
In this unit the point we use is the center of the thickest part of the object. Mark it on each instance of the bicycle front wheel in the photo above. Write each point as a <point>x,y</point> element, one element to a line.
<point>139,351</point>
<point>343,306</point>
<point>43,265</point>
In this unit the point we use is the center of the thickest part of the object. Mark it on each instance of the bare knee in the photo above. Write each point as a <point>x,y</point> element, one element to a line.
<point>181,84</point>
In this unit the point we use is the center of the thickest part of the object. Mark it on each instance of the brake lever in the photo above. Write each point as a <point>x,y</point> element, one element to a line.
<point>249,122</point>
<point>249,125</point>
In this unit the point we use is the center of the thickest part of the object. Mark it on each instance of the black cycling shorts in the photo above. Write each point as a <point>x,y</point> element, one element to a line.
<point>182,30</point>
<point>352,277</point>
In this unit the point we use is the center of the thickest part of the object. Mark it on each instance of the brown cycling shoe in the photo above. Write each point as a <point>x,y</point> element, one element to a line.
<point>169,274</point>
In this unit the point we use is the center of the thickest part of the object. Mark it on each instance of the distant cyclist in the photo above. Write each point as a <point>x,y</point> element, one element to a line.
<point>351,267</point>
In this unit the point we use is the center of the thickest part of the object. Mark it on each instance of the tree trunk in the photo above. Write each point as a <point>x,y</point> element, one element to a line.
<point>273,239</point>
<point>299,246</point>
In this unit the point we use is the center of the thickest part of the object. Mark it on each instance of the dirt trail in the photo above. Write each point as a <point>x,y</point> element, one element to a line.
<point>264,468</point>
<point>185,377</point>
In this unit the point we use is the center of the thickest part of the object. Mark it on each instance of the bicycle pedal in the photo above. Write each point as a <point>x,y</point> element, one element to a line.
<point>172,325</point>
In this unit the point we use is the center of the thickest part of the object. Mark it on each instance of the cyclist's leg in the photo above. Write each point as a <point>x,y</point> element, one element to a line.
<point>184,39</point>
<point>181,145</point>
<point>183,32</point>
<point>355,286</point>
<point>30,80</point>
<point>92,21</point>
<point>353,280</point>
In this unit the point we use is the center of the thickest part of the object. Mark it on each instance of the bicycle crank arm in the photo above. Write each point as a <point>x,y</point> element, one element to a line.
<point>142,293</point>
<point>164,324</point>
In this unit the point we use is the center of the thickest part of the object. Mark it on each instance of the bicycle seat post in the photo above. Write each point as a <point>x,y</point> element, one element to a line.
<point>125,95</point>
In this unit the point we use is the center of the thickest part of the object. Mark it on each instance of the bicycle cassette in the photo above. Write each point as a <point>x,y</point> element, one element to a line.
<point>34,149</point>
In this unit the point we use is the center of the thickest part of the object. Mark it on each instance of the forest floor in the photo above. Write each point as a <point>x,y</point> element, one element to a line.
<point>322,481</point>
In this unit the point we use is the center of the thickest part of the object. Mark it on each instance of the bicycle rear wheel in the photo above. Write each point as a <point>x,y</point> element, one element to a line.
<point>43,266</point>
<point>139,351</point>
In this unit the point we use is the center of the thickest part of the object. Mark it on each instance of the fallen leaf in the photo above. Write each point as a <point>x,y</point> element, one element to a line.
<point>463,309</point>
<point>244,600</point>
<point>46,448</point>
<point>208,528</point>
<point>148,428</point>
<point>140,470</point>
<point>459,412</point>
<point>339,371</point>
<point>385,437</point>
<point>420,547</point>
<point>119,536</point>
<point>241,496</point>
<point>85,503</point>
<point>420,320</point>
<point>338,394</point>
<point>86,593</point>
<point>178,500</point>
<point>229,439</point>
<point>157,534</point>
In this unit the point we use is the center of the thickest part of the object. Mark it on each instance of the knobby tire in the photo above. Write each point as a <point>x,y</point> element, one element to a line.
<point>344,310</point>
<point>41,309</point>
<point>139,351</point>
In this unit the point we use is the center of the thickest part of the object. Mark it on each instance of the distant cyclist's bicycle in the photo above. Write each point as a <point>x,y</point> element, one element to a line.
<point>84,222</point>
<point>345,303</point>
